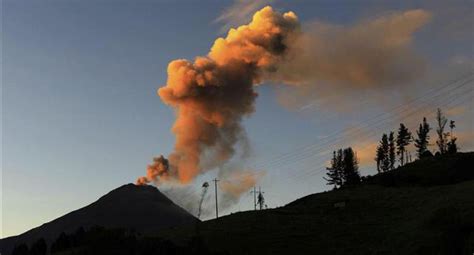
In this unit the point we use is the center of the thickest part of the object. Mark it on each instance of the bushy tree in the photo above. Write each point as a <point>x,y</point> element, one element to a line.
<point>403,140</point>
<point>344,168</point>
<point>422,141</point>
<point>350,167</point>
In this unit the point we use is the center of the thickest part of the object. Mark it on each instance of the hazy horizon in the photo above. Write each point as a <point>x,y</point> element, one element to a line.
<point>81,116</point>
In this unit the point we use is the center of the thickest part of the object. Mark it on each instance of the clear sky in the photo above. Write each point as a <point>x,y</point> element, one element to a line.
<point>80,114</point>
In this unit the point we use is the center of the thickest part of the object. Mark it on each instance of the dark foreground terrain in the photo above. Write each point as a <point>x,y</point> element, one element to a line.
<point>143,209</point>
<point>426,207</point>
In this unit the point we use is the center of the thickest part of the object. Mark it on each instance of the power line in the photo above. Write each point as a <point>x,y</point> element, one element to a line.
<point>439,90</point>
<point>309,174</point>
<point>308,148</point>
<point>320,147</point>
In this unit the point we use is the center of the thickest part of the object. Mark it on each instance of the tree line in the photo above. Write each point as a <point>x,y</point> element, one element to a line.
<point>344,165</point>
<point>391,148</point>
<point>100,240</point>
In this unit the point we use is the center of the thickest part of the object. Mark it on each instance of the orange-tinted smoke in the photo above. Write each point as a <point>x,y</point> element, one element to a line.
<point>235,181</point>
<point>238,182</point>
<point>159,169</point>
<point>212,94</point>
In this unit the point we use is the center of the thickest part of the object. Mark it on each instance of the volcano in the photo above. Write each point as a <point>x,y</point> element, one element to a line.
<point>140,208</point>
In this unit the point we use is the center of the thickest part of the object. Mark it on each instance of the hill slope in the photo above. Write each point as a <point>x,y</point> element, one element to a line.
<point>423,208</point>
<point>142,208</point>
<point>426,207</point>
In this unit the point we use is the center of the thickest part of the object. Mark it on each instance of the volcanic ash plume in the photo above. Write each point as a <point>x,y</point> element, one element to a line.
<point>212,94</point>
<point>369,53</point>
<point>158,169</point>
<point>234,182</point>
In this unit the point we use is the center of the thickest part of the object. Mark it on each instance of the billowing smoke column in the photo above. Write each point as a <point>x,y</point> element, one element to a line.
<point>212,94</point>
<point>159,169</point>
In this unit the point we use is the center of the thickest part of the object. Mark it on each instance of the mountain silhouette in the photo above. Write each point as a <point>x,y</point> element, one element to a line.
<point>140,208</point>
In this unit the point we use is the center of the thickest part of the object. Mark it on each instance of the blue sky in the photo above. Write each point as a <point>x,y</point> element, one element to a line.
<point>80,114</point>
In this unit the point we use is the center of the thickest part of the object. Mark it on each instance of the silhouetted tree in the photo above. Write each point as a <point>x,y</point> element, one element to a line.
<point>99,240</point>
<point>442,136</point>
<point>391,151</point>
<point>421,143</point>
<point>39,247</point>
<point>344,168</point>
<point>403,140</point>
<point>21,249</point>
<point>334,174</point>
<point>350,167</point>
<point>62,243</point>
<point>379,157</point>
<point>452,146</point>
<point>384,160</point>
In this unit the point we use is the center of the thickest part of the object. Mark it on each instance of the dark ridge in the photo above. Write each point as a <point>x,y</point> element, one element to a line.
<point>426,207</point>
<point>143,209</point>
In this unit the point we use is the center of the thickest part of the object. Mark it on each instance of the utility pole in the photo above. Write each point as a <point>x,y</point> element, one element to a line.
<point>254,198</point>
<point>215,186</point>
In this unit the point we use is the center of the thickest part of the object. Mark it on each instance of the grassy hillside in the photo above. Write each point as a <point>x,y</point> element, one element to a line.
<point>426,207</point>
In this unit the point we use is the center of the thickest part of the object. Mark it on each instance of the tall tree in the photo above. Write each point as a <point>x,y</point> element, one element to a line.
<point>344,168</point>
<point>339,166</point>
<point>452,147</point>
<point>350,167</point>
<point>334,171</point>
<point>391,151</point>
<point>379,157</point>
<point>421,143</point>
<point>442,136</point>
<point>385,160</point>
<point>403,140</point>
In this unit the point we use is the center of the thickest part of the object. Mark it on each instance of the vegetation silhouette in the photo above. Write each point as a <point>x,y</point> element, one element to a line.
<point>422,142</point>
<point>404,139</point>
<point>344,169</point>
